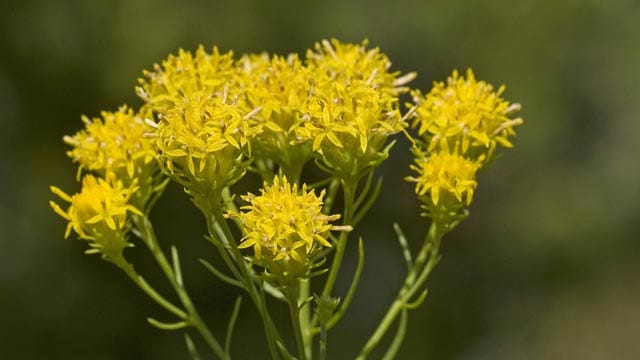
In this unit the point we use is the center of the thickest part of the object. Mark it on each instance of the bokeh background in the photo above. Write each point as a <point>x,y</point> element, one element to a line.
<point>546,267</point>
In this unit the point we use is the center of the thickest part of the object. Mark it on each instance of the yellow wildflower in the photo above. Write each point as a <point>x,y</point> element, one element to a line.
<point>201,139</point>
<point>345,62</point>
<point>354,108</point>
<point>466,115</point>
<point>285,227</point>
<point>445,174</point>
<point>99,213</point>
<point>187,73</point>
<point>279,87</point>
<point>113,143</point>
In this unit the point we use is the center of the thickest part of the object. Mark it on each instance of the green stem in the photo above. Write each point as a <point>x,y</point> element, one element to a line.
<point>323,343</point>
<point>151,292</point>
<point>217,221</point>
<point>425,262</point>
<point>294,311</point>
<point>348,189</point>
<point>146,230</point>
<point>305,317</point>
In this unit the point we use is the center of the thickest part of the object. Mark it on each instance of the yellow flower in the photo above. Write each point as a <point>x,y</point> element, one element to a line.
<point>113,143</point>
<point>99,213</point>
<point>345,62</point>
<point>445,174</point>
<point>279,87</point>
<point>349,117</point>
<point>201,140</point>
<point>354,108</point>
<point>285,227</point>
<point>185,74</point>
<point>465,115</point>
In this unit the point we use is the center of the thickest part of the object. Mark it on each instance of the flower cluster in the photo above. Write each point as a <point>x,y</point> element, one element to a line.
<point>460,124</point>
<point>340,104</point>
<point>280,87</point>
<point>200,142</point>
<point>98,213</point>
<point>113,143</point>
<point>208,118</point>
<point>186,74</point>
<point>286,228</point>
<point>465,115</point>
<point>355,106</point>
<point>119,175</point>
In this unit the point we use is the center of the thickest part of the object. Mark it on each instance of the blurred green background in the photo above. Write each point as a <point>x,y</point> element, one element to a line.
<point>546,267</point>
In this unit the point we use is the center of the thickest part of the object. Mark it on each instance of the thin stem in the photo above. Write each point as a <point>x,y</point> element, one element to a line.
<point>323,342</point>
<point>350,293</point>
<point>425,262</point>
<point>294,311</point>
<point>231,326</point>
<point>146,231</point>
<point>305,317</point>
<point>151,292</point>
<point>217,221</point>
<point>348,189</point>
<point>397,340</point>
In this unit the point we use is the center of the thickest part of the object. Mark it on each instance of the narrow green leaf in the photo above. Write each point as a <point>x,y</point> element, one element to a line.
<point>168,326</point>
<point>398,339</point>
<point>406,252</point>
<point>191,347</point>
<point>217,273</point>
<point>176,266</point>
<point>232,324</point>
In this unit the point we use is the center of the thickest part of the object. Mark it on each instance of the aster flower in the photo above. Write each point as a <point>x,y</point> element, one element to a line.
<point>466,115</point>
<point>184,74</point>
<point>285,227</point>
<point>98,213</point>
<point>354,107</point>
<point>115,143</point>
<point>346,62</point>
<point>201,142</point>
<point>279,87</point>
<point>445,175</point>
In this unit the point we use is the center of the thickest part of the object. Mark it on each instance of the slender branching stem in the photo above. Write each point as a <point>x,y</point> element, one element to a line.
<point>145,227</point>
<point>426,260</point>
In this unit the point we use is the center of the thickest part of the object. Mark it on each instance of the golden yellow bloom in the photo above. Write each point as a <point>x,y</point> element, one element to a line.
<point>99,212</point>
<point>285,227</point>
<point>445,174</point>
<point>185,74</point>
<point>280,87</point>
<point>113,143</point>
<point>465,115</point>
<point>201,139</point>
<point>357,110</point>
<point>354,106</point>
<point>345,62</point>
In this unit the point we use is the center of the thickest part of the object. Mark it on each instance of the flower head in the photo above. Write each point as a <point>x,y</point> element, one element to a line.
<point>201,141</point>
<point>346,62</point>
<point>98,213</point>
<point>445,177</point>
<point>187,73</point>
<point>354,108</point>
<point>115,143</point>
<point>465,115</point>
<point>285,227</point>
<point>280,87</point>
